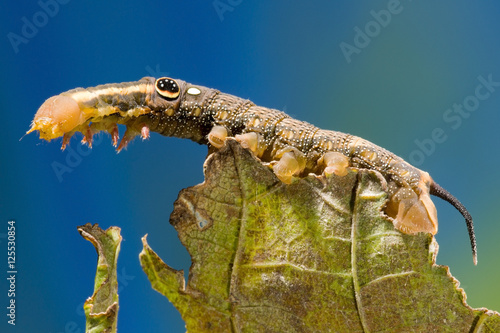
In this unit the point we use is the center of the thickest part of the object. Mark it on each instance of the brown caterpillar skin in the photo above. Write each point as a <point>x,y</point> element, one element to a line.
<point>292,147</point>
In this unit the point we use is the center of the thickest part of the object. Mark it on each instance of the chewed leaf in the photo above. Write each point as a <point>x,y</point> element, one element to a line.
<point>313,256</point>
<point>101,309</point>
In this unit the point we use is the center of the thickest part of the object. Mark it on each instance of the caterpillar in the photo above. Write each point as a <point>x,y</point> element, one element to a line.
<point>292,148</point>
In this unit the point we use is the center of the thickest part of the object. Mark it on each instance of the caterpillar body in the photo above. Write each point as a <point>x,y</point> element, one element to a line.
<point>291,147</point>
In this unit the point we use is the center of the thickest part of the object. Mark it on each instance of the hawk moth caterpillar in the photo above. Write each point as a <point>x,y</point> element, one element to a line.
<point>291,147</point>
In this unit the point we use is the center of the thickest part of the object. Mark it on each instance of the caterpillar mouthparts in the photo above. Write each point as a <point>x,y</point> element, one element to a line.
<point>57,116</point>
<point>62,116</point>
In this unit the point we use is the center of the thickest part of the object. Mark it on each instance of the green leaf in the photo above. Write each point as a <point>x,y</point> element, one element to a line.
<point>313,256</point>
<point>101,310</point>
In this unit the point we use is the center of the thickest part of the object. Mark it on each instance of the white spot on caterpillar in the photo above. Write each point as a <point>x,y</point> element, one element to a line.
<point>193,91</point>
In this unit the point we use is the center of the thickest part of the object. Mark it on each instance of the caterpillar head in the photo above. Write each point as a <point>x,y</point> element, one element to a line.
<point>103,107</point>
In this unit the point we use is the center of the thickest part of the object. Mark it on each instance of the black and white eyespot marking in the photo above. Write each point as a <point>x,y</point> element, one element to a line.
<point>167,88</point>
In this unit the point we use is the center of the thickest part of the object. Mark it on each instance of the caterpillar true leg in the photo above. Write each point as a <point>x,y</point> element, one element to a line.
<point>65,140</point>
<point>87,138</point>
<point>144,132</point>
<point>129,135</point>
<point>115,136</point>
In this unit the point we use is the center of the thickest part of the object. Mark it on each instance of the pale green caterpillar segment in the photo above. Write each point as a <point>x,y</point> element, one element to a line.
<point>291,147</point>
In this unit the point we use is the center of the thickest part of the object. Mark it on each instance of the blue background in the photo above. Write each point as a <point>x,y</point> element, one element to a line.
<point>279,54</point>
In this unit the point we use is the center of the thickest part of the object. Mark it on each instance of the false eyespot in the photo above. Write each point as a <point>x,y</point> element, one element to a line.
<point>167,88</point>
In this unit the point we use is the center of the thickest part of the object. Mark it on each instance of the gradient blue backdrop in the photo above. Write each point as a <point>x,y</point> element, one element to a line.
<point>279,54</point>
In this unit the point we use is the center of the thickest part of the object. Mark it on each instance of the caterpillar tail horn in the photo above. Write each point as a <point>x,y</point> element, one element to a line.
<point>440,192</point>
